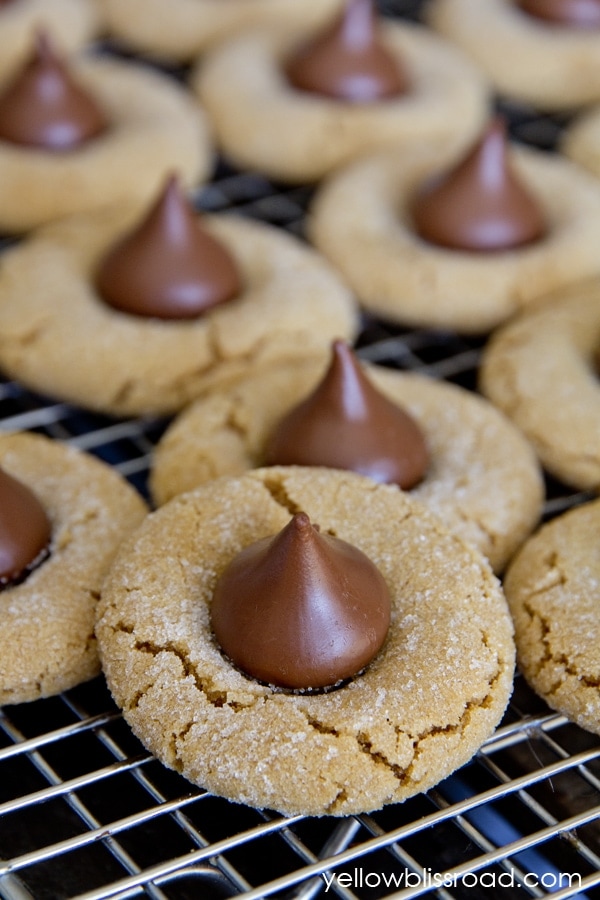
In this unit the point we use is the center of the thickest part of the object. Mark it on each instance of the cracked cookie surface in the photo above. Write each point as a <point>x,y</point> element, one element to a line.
<point>483,479</point>
<point>540,370</point>
<point>552,587</point>
<point>434,693</point>
<point>47,641</point>
<point>58,337</point>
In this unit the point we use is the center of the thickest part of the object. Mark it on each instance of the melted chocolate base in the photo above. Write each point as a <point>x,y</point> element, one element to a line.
<point>8,582</point>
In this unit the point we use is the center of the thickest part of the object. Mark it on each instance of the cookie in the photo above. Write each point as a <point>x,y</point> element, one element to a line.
<point>360,219</point>
<point>580,140</point>
<point>263,123</point>
<point>422,707</point>
<point>184,29</point>
<point>47,641</point>
<point>540,371</point>
<point>543,64</point>
<point>154,127</point>
<point>552,589</point>
<point>482,480</point>
<point>73,24</point>
<point>60,338</point>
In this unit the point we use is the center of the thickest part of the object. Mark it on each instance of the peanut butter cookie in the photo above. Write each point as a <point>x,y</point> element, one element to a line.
<point>552,590</point>
<point>435,691</point>
<point>47,641</point>
<point>540,369</point>
<point>482,479</point>
<point>58,336</point>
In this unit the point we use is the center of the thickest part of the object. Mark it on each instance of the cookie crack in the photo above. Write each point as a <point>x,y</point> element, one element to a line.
<point>339,800</point>
<point>321,727</point>
<point>217,697</point>
<point>572,670</point>
<point>550,658</point>
<point>380,759</point>
<point>277,490</point>
<point>453,728</point>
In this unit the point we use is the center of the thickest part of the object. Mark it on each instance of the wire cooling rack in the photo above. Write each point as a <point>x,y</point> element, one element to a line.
<point>87,813</point>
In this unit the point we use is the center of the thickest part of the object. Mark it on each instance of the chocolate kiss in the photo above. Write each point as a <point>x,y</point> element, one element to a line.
<point>301,609</point>
<point>577,13</point>
<point>169,266</point>
<point>480,204</point>
<point>345,423</point>
<point>43,107</point>
<point>348,61</point>
<point>24,529</point>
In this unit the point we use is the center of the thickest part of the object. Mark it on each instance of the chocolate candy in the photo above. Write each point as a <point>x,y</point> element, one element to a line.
<point>169,266</point>
<point>480,204</point>
<point>346,423</point>
<point>24,530</point>
<point>348,61</point>
<point>574,13</point>
<point>301,609</point>
<point>43,107</point>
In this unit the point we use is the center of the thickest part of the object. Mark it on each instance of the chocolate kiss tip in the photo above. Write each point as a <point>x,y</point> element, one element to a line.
<point>346,423</point>
<point>348,61</point>
<point>480,204</point>
<point>301,610</point>
<point>574,13</point>
<point>24,528</point>
<point>168,266</point>
<point>43,107</point>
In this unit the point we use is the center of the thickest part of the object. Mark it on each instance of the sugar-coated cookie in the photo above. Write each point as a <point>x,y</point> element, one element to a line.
<point>483,480</point>
<point>544,64</point>
<point>263,123</point>
<point>182,29</point>
<point>361,220</point>
<point>541,370</point>
<point>154,127</point>
<point>553,591</point>
<point>433,694</point>
<point>47,641</point>
<point>60,338</point>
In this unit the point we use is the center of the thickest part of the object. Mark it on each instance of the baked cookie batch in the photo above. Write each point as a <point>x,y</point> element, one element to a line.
<point>306,614</point>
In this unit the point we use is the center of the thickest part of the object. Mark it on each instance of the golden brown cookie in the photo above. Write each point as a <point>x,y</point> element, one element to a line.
<point>47,641</point>
<point>360,220</point>
<point>262,123</point>
<point>580,141</point>
<point>155,127</point>
<point>549,66</point>
<point>552,589</point>
<point>72,23</point>
<point>182,29</point>
<point>424,705</point>
<point>58,337</point>
<point>483,480</point>
<point>540,370</point>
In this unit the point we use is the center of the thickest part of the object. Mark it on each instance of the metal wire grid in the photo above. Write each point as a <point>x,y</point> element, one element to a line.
<point>87,813</point>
